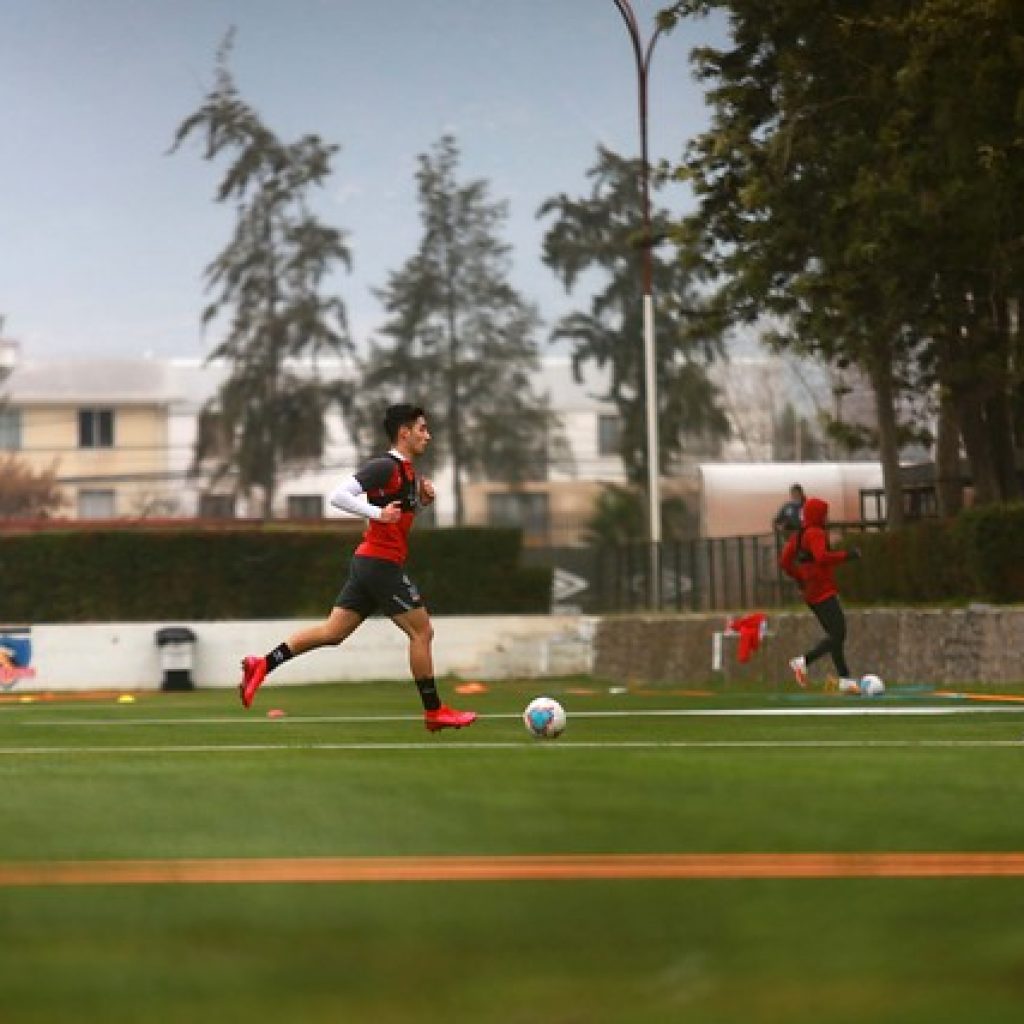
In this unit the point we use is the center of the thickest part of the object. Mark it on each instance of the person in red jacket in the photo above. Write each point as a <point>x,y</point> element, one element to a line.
<point>808,559</point>
<point>388,493</point>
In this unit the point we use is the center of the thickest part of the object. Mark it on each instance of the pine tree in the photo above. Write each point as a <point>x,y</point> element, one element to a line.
<point>268,287</point>
<point>459,339</point>
<point>601,233</point>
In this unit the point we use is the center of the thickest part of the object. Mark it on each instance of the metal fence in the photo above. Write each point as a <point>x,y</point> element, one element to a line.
<point>696,575</point>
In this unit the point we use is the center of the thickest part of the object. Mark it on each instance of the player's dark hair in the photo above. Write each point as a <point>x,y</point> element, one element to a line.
<point>401,415</point>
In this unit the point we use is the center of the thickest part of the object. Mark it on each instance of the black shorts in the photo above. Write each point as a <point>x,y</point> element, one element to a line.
<point>375,584</point>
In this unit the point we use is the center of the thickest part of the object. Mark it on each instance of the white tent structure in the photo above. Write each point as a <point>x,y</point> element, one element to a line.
<point>740,499</point>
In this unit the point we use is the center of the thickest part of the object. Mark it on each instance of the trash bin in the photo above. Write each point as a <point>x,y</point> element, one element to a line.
<point>176,645</point>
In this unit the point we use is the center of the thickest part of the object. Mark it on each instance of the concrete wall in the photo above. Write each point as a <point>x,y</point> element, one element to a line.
<point>125,655</point>
<point>976,646</point>
<point>971,647</point>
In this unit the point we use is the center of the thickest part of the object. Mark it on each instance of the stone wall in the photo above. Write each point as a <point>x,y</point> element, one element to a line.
<point>977,646</point>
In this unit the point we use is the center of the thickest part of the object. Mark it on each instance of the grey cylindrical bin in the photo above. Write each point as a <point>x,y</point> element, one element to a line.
<point>176,645</point>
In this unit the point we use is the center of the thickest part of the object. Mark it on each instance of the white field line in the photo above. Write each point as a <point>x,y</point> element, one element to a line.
<point>523,745</point>
<point>258,719</point>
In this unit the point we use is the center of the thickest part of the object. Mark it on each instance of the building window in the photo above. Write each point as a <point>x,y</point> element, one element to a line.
<point>95,428</point>
<point>10,429</point>
<point>96,504</point>
<point>609,434</point>
<point>529,511</point>
<point>216,506</point>
<point>213,438</point>
<point>305,506</point>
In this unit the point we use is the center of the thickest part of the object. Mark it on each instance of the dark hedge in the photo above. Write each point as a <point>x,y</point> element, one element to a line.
<point>140,575</point>
<point>977,557</point>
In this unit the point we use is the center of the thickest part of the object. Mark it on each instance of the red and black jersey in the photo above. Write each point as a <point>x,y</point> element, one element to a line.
<point>387,479</point>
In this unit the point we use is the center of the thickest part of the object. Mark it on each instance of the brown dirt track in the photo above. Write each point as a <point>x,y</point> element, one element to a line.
<point>567,867</point>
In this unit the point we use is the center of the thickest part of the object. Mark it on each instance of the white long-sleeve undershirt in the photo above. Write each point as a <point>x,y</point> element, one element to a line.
<point>349,496</point>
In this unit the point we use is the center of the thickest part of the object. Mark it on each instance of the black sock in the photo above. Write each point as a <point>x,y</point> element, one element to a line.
<point>278,656</point>
<point>428,693</point>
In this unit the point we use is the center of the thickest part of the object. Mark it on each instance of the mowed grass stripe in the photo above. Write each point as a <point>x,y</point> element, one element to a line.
<point>796,712</point>
<point>570,867</point>
<point>450,746</point>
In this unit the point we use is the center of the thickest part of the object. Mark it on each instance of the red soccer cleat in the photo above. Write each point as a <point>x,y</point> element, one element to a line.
<point>254,671</point>
<point>447,718</point>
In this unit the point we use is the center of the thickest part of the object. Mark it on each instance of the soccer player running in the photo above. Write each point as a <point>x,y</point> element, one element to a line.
<point>387,492</point>
<point>807,558</point>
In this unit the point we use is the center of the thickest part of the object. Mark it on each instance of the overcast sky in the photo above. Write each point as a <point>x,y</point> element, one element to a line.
<point>104,236</point>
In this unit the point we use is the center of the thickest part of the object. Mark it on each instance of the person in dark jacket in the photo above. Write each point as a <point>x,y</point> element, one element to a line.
<point>808,559</point>
<point>787,519</point>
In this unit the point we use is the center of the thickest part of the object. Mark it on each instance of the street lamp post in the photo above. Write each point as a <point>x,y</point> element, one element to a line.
<point>642,56</point>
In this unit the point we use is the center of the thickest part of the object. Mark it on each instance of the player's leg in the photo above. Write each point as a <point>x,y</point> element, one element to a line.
<point>413,619</point>
<point>353,604</point>
<point>418,628</point>
<point>801,664</point>
<point>833,620</point>
<point>337,627</point>
<point>398,597</point>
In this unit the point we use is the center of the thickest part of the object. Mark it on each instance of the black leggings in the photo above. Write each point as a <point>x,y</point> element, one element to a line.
<point>830,614</point>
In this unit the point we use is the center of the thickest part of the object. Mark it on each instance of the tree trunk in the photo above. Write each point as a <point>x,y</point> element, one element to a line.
<point>269,426</point>
<point>451,313</point>
<point>979,455</point>
<point>1004,457</point>
<point>454,426</point>
<point>880,370</point>
<point>998,415</point>
<point>948,484</point>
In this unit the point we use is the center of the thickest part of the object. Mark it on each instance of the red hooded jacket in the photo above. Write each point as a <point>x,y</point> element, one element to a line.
<point>807,558</point>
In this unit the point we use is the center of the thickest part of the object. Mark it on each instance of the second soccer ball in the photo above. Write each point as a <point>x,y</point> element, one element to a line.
<point>871,685</point>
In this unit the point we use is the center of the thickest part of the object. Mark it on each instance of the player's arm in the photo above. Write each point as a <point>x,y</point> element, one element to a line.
<point>817,544</point>
<point>427,492</point>
<point>350,496</point>
<point>787,560</point>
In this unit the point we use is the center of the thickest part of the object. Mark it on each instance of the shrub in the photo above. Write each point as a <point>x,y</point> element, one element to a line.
<point>993,544</point>
<point>138,575</point>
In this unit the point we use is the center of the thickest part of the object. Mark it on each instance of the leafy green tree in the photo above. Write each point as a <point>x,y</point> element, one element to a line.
<point>618,517</point>
<point>791,203</point>
<point>460,340</point>
<point>601,234</point>
<point>960,106</point>
<point>268,285</point>
<point>858,182</point>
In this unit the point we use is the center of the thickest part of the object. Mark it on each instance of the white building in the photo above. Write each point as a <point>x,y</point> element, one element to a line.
<point>120,436</point>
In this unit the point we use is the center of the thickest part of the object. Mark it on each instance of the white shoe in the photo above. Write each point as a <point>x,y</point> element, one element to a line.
<point>849,686</point>
<point>798,666</point>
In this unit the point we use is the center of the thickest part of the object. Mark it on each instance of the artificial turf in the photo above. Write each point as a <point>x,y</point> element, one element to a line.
<point>349,771</point>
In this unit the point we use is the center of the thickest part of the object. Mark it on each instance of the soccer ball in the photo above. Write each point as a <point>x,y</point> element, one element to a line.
<point>871,686</point>
<point>544,718</point>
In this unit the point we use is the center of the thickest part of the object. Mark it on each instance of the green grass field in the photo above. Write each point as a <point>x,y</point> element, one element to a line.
<point>350,772</point>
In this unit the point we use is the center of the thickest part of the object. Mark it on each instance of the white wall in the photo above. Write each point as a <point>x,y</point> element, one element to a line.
<point>741,499</point>
<point>124,656</point>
